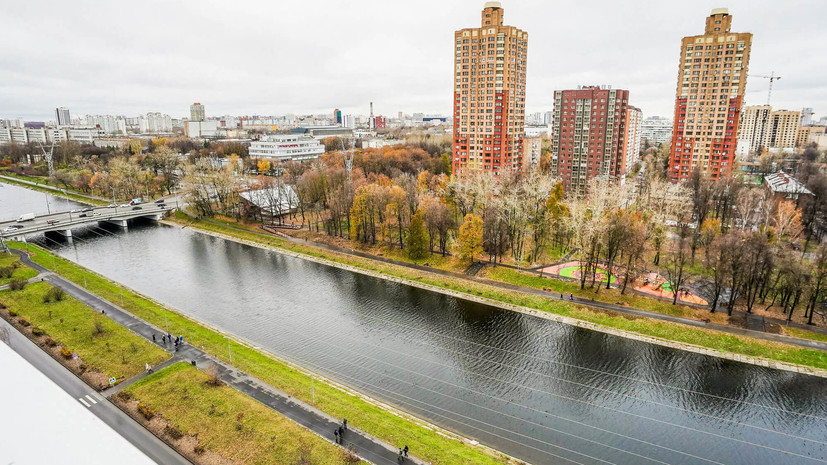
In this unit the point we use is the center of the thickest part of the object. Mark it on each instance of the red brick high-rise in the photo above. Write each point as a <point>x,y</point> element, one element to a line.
<point>712,76</point>
<point>588,138</point>
<point>489,95</point>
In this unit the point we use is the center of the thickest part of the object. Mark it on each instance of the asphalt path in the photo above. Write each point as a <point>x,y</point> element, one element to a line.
<point>366,446</point>
<point>116,419</point>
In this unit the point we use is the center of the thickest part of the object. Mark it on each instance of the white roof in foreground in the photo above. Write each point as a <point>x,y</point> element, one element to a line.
<point>784,183</point>
<point>42,424</point>
<point>279,199</point>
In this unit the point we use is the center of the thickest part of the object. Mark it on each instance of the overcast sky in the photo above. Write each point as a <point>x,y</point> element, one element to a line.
<point>277,57</point>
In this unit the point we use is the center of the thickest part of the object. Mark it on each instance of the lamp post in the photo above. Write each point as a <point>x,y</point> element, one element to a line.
<point>48,208</point>
<point>230,352</point>
<point>114,202</point>
<point>166,322</point>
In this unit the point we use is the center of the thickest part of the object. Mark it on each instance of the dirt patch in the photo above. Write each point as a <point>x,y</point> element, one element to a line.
<point>773,328</point>
<point>186,445</point>
<point>739,321</point>
<point>92,377</point>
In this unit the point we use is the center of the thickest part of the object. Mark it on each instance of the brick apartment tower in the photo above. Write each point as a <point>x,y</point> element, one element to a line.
<point>712,76</point>
<point>489,95</point>
<point>589,135</point>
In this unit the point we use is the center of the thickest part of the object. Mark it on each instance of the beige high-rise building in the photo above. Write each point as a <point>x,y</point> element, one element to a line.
<point>197,112</point>
<point>761,128</point>
<point>712,76</point>
<point>489,95</point>
<point>807,133</point>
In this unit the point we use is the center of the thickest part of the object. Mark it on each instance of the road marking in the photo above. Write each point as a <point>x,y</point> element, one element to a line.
<point>84,402</point>
<point>91,399</point>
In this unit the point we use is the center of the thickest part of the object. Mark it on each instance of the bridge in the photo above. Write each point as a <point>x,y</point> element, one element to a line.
<point>63,222</point>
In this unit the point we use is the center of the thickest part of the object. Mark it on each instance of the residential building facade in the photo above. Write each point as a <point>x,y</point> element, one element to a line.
<point>656,130</point>
<point>589,135</point>
<point>62,116</point>
<point>631,143</point>
<point>197,112</point>
<point>712,76</point>
<point>489,95</point>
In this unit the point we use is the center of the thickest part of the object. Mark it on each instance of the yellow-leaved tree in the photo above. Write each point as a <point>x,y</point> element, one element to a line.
<point>263,166</point>
<point>470,237</point>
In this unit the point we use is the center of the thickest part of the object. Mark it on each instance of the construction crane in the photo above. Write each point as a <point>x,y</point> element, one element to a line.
<point>772,77</point>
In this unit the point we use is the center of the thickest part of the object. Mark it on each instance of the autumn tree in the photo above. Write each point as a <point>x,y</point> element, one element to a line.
<point>470,237</point>
<point>417,239</point>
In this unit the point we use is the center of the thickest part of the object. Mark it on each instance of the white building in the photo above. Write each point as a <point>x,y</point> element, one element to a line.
<point>537,131</point>
<point>84,135</point>
<point>284,147</point>
<point>656,129</point>
<point>379,143</point>
<point>109,124</point>
<point>62,116</point>
<point>201,129</point>
<point>5,136</point>
<point>154,123</point>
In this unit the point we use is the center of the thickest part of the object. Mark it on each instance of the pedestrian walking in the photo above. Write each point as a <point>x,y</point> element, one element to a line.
<point>164,340</point>
<point>153,337</point>
<point>401,458</point>
<point>341,432</point>
<point>571,296</point>
<point>561,297</point>
<point>344,423</point>
<point>336,434</point>
<point>405,450</point>
<point>148,368</point>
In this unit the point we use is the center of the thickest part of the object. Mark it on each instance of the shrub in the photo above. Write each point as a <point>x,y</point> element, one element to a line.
<point>6,272</point>
<point>212,376</point>
<point>65,352</point>
<point>124,396</point>
<point>55,294</point>
<point>50,342</point>
<point>198,449</point>
<point>38,331</point>
<point>13,313</point>
<point>173,432</point>
<point>24,322</point>
<point>146,411</point>
<point>99,327</point>
<point>17,284</point>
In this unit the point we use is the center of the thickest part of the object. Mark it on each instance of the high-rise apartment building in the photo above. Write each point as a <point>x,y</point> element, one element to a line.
<point>631,143</point>
<point>712,76</point>
<point>62,116</point>
<point>197,112</point>
<point>761,128</point>
<point>589,135</point>
<point>656,130</point>
<point>489,95</point>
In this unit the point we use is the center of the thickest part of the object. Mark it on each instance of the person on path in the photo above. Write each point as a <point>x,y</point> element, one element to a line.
<point>571,296</point>
<point>344,423</point>
<point>400,459</point>
<point>169,337</point>
<point>405,450</point>
<point>148,368</point>
<point>341,432</point>
<point>153,337</point>
<point>336,434</point>
<point>164,340</point>
<point>561,297</point>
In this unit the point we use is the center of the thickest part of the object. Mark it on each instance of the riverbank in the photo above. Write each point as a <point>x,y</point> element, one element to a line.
<point>675,335</point>
<point>49,189</point>
<point>427,441</point>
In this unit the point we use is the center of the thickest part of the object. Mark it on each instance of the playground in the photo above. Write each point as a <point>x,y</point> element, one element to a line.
<point>572,270</point>
<point>652,283</point>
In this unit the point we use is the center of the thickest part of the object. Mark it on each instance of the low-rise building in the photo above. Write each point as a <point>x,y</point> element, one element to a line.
<point>201,129</point>
<point>785,187</point>
<point>808,134</point>
<point>285,147</point>
<point>84,135</point>
<point>379,143</point>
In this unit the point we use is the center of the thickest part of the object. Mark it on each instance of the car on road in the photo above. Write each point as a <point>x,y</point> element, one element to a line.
<point>13,227</point>
<point>87,209</point>
<point>25,217</point>
<point>76,210</point>
<point>125,205</point>
<point>52,221</point>
<point>83,215</point>
<point>137,208</point>
<point>160,201</point>
<point>112,205</point>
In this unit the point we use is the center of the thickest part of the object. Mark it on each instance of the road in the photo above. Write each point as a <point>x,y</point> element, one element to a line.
<point>133,432</point>
<point>67,220</point>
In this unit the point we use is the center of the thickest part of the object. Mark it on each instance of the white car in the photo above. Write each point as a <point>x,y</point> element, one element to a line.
<point>125,205</point>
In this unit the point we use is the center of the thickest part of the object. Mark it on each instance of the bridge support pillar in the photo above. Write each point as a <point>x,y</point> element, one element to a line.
<point>121,223</point>
<point>64,232</point>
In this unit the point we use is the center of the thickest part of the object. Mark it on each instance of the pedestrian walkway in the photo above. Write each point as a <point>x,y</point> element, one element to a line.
<point>367,447</point>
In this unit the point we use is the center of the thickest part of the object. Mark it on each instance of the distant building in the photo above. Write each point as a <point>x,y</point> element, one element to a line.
<point>656,130</point>
<point>807,116</point>
<point>589,134</point>
<point>712,77</point>
<point>201,129</point>
<point>761,128</point>
<point>284,147</point>
<point>109,124</point>
<point>197,112</point>
<point>84,135</point>
<point>631,143</point>
<point>808,134</point>
<point>489,96</point>
<point>320,132</point>
<point>337,116</point>
<point>272,202</point>
<point>154,123</point>
<point>62,116</point>
<point>379,143</point>
<point>532,151</point>
<point>379,122</point>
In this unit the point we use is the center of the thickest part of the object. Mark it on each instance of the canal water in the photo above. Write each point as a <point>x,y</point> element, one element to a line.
<point>541,391</point>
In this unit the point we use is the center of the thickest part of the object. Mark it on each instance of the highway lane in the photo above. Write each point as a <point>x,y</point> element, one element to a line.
<point>111,415</point>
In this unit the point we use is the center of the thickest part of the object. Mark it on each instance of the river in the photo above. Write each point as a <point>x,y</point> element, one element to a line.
<point>544,392</point>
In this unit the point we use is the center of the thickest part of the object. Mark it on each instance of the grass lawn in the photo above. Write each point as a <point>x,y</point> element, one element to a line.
<point>180,394</point>
<point>20,271</point>
<point>425,443</point>
<point>804,334</point>
<point>114,350</point>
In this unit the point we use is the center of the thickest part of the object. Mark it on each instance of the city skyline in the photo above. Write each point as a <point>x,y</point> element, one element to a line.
<point>397,56</point>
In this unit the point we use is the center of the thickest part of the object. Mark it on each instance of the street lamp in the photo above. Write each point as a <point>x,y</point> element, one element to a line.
<point>228,349</point>
<point>114,202</point>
